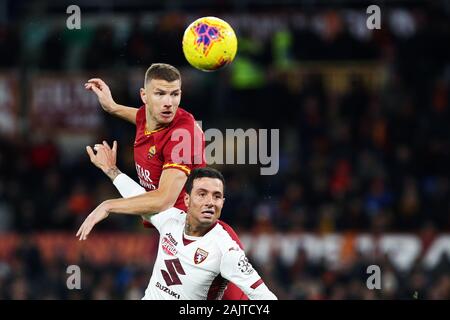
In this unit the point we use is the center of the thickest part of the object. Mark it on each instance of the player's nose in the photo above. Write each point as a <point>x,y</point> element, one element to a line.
<point>209,201</point>
<point>167,101</point>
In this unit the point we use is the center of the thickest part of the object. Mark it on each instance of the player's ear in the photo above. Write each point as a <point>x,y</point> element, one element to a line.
<point>143,95</point>
<point>186,200</point>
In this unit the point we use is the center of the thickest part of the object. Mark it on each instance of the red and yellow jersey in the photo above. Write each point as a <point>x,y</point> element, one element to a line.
<point>180,145</point>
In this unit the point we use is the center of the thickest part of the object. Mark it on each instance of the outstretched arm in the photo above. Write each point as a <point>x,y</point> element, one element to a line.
<point>170,185</point>
<point>101,89</point>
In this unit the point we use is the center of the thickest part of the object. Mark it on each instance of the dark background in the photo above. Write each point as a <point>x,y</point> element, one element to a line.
<point>364,142</point>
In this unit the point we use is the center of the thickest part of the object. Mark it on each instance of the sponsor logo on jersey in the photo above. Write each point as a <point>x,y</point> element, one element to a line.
<point>171,238</point>
<point>200,255</point>
<point>167,290</point>
<point>244,266</point>
<point>151,152</point>
<point>168,247</point>
<point>144,177</point>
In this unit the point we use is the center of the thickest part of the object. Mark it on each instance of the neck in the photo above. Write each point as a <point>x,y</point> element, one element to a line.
<point>191,228</point>
<point>195,231</point>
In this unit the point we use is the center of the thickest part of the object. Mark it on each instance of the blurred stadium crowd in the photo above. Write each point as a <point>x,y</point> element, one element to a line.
<point>363,151</point>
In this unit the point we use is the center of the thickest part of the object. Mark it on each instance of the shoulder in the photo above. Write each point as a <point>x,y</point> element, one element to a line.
<point>140,115</point>
<point>226,238</point>
<point>230,232</point>
<point>183,123</point>
<point>183,119</point>
<point>183,114</point>
<point>172,215</point>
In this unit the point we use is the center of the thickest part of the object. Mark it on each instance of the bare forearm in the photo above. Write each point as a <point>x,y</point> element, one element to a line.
<point>124,112</point>
<point>149,202</point>
<point>171,183</point>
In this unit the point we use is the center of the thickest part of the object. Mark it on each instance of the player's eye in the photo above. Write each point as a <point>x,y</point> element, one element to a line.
<point>175,94</point>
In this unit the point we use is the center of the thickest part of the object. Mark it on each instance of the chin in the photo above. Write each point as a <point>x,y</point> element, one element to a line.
<point>207,222</point>
<point>165,120</point>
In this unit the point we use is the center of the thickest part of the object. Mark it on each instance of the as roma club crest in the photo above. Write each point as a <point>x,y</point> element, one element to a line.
<point>200,256</point>
<point>151,151</point>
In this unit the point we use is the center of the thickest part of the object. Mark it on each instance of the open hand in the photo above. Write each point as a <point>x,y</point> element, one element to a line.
<point>92,219</point>
<point>103,157</point>
<point>101,89</point>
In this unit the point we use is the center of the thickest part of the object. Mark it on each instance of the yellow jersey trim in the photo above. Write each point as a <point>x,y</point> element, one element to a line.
<point>182,167</point>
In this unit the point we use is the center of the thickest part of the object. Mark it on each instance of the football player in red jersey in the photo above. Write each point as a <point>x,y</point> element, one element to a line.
<point>162,166</point>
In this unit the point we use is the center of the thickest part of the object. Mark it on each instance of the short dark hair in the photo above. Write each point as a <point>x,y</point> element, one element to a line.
<point>162,71</point>
<point>205,172</point>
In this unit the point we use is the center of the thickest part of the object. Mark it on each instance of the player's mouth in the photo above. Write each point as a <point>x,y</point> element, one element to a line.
<point>167,114</point>
<point>209,213</point>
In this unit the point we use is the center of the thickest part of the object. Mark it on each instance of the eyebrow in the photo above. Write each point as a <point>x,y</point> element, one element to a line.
<point>162,90</point>
<point>214,192</point>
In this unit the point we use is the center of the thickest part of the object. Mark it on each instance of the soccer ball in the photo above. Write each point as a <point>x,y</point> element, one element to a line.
<point>209,43</point>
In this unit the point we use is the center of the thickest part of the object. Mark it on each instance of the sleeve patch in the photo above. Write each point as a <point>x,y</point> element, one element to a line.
<point>244,266</point>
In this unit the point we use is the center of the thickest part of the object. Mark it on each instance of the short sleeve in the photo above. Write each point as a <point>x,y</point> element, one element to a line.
<point>185,147</point>
<point>236,268</point>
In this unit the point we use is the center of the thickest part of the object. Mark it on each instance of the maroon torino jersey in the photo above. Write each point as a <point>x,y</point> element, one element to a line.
<point>179,146</point>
